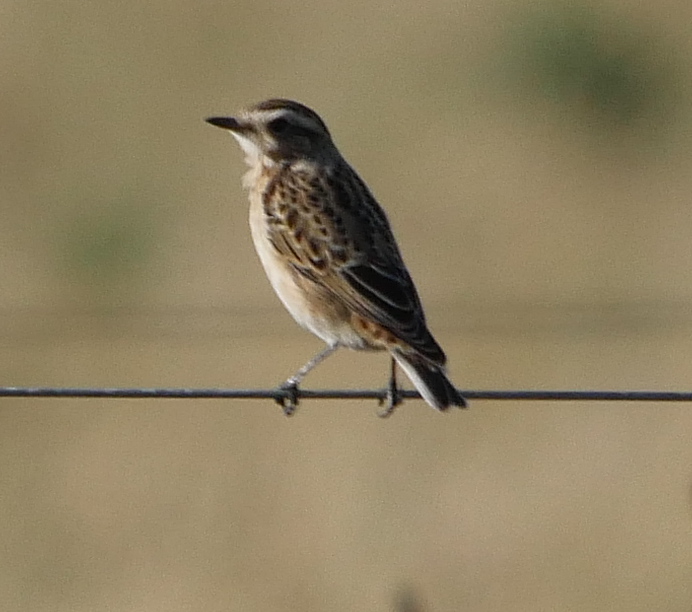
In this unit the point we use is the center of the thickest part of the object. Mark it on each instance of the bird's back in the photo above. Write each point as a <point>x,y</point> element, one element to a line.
<point>328,227</point>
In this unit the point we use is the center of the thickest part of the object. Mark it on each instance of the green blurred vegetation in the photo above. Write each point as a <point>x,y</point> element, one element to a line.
<point>107,248</point>
<point>608,72</point>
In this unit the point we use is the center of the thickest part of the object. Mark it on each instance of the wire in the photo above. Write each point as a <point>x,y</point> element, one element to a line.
<point>378,394</point>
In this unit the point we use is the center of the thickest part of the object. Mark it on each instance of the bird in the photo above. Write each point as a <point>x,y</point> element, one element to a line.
<point>328,250</point>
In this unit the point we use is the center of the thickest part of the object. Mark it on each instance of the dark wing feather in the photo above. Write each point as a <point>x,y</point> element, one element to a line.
<point>334,233</point>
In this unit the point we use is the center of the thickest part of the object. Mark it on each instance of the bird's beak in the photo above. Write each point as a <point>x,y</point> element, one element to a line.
<point>243,131</point>
<point>229,123</point>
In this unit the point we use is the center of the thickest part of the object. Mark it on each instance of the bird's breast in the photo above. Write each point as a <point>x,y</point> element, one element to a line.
<point>311,306</point>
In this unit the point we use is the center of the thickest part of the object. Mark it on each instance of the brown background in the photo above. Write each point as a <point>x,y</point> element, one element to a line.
<point>535,163</point>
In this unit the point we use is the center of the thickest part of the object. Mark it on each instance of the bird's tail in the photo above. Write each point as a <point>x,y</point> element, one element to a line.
<point>430,380</point>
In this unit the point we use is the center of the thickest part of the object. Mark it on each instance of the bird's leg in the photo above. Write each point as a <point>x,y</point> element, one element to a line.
<point>393,395</point>
<point>289,401</point>
<point>297,378</point>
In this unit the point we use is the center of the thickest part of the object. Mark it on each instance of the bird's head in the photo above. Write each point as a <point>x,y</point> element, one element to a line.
<point>278,130</point>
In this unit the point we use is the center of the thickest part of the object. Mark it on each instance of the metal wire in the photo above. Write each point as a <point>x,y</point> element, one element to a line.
<point>378,394</point>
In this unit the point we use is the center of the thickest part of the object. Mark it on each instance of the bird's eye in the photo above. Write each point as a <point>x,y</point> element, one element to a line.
<point>278,126</point>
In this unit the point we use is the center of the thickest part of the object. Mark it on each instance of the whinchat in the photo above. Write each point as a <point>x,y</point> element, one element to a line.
<point>328,250</point>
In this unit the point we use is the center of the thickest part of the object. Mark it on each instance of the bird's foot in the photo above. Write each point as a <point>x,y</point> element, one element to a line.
<point>288,400</point>
<point>393,399</point>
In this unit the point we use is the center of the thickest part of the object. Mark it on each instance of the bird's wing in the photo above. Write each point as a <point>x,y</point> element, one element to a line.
<point>333,232</point>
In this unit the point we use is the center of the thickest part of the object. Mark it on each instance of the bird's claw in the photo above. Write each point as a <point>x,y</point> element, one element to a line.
<point>288,400</point>
<point>393,399</point>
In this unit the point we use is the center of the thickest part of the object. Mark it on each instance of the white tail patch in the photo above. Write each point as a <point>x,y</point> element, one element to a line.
<point>418,381</point>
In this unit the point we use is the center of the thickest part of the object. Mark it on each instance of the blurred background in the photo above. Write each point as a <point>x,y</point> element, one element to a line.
<point>534,158</point>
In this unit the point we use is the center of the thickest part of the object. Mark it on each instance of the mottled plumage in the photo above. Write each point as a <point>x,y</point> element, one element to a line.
<point>328,249</point>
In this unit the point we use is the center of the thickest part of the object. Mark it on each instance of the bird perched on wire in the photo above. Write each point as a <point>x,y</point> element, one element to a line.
<point>328,250</point>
